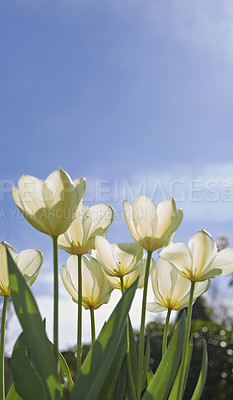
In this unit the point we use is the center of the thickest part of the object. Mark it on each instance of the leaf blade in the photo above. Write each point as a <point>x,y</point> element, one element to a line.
<point>175,387</point>
<point>12,394</point>
<point>160,385</point>
<point>33,386</point>
<point>100,358</point>
<point>33,327</point>
<point>203,374</point>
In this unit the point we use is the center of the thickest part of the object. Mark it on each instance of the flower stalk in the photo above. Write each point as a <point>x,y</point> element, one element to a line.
<point>92,313</point>
<point>186,342</point>
<point>122,285</point>
<point>79,337</point>
<point>129,367</point>
<point>164,347</point>
<point>55,294</point>
<point>3,326</point>
<point>142,328</point>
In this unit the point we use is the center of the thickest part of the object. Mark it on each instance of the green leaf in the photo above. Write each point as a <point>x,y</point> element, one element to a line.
<point>134,357</point>
<point>41,353</point>
<point>175,387</point>
<point>203,374</point>
<point>100,358</point>
<point>12,394</point>
<point>162,381</point>
<point>122,383</point>
<point>133,351</point>
<point>33,387</point>
<point>109,388</point>
<point>131,387</point>
<point>149,376</point>
<point>146,366</point>
<point>64,369</point>
<point>131,358</point>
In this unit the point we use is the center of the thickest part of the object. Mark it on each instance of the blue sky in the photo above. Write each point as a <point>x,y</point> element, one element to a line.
<point>134,95</point>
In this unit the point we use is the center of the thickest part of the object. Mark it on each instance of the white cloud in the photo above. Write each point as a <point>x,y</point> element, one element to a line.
<point>204,24</point>
<point>205,193</point>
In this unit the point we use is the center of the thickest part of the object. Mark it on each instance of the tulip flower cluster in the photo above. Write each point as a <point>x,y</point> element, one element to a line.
<point>116,367</point>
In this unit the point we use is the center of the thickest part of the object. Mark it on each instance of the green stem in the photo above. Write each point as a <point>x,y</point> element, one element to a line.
<point>79,337</point>
<point>132,386</point>
<point>3,325</point>
<point>92,324</point>
<point>128,358</point>
<point>55,297</point>
<point>186,342</point>
<point>122,285</point>
<point>165,331</point>
<point>142,328</point>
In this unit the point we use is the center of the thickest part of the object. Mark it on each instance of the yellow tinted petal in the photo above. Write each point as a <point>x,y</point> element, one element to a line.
<point>203,250</point>
<point>224,261</point>
<point>145,216</point>
<point>104,249</point>
<point>166,211</point>
<point>128,213</point>
<point>179,256</point>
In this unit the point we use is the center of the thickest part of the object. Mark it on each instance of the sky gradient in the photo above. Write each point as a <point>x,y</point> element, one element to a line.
<point>136,96</point>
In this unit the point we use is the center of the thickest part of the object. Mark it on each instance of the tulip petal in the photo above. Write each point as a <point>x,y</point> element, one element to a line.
<point>29,262</point>
<point>86,223</point>
<point>37,219</point>
<point>105,252</point>
<point>4,280</point>
<point>200,288</point>
<point>171,289</point>
<point>56,187</point>
<point>203,250</point>
<point>49,206</point>
<point>152,227</point>
<point>66,243</point>
<point>180,286</point>
<point>145,216</point>
<point>224,261</point>
<point>66,279</point>
<point>72,240</point>
<point>168,285</point>
<point>89,283</point>
<point>127,256</point>
<point>128,212</point>
<point>179,256</point>
<point>155,307</point>
<point>96,289</point>
<point>28,211</point>
<point>102,217</point>
<point>30,193</point>
<point>166,212</point>
<point>123,259</point>
<point>160,279</point>
<point>176,221</point>
<point>80,187</point>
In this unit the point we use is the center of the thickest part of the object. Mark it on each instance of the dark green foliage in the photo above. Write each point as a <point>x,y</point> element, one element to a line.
<point>219,384</point>
<point>161,383</point>
<point>200,311</point>
<point>219,338</point>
